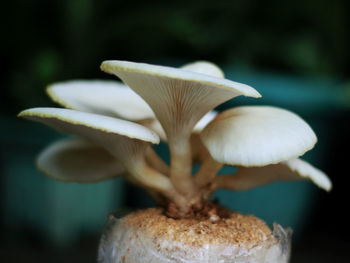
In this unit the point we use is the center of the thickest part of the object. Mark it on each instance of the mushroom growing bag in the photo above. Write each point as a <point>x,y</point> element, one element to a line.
<point>149,236</point>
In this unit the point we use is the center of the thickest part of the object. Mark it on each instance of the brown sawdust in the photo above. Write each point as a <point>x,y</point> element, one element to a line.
<point>227,228</point>
<point>206,210</point>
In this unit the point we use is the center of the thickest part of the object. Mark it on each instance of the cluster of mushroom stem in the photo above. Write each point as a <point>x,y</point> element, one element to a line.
<point>118,124</point>
<point>178,185</point>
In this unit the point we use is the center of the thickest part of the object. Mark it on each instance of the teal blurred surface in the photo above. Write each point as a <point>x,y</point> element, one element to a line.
<point>308,96</point>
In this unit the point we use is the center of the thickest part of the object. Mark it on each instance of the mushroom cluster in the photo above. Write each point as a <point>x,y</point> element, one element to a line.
<point>117,124</point>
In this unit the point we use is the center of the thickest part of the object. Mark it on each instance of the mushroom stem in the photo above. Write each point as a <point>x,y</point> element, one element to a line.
<point>291,170</point>
<point>246,178</point>
<point>153,159</point>
<point>206,173</point>
<point>181,167</point>
<point>228,182</point>
<point>160,193</point>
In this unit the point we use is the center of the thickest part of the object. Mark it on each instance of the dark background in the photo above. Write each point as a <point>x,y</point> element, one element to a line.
<point>281,42</point>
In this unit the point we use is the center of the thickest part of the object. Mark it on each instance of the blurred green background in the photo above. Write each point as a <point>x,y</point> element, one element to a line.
<point>295,53</point>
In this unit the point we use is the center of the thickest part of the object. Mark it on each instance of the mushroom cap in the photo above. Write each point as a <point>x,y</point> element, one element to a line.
<point>89,125</point>
<point>77,160</point>
<point>117,67</point>
<point>110,98</point>
<point>257,136</point>
<point>307,171</point>
<point>127,141</point>
<point>295,169</point>
<point>207,118</point>
<point>204,67</point>
<point>178,97</point>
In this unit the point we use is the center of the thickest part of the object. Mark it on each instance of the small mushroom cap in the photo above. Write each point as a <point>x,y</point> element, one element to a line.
<point>89,125</point>
<point>204,67</point>
<point>207,118</point>
<point>125,140</point>
<point>179,98</point>
<point>77,160</point>
<point>307,171</point>
<point>257,136</point>
<point>295,169</point>
<point>110,98</point>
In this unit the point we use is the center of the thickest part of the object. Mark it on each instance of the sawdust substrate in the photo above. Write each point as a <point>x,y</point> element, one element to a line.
<point>233,229</point>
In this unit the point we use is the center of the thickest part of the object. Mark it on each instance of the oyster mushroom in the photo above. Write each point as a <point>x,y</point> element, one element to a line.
<point>126,141</point>
<point>257,136</point>
<point>110,98</point>
<point>179,98</point>
<point>78,160</point>
<point>264,142</point>
<point>115,99</point>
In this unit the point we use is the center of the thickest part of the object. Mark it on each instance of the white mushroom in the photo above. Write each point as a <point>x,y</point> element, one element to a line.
<point>125,140</point>
<point>114,99</point>
<point>257,136</point>
<point>202,123</point>
<point>110,98</point>
<point>263,142</point>
<point>179,99</point>
<point>78,160</point>
<point>295,169</point>
<point>204,67</point>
